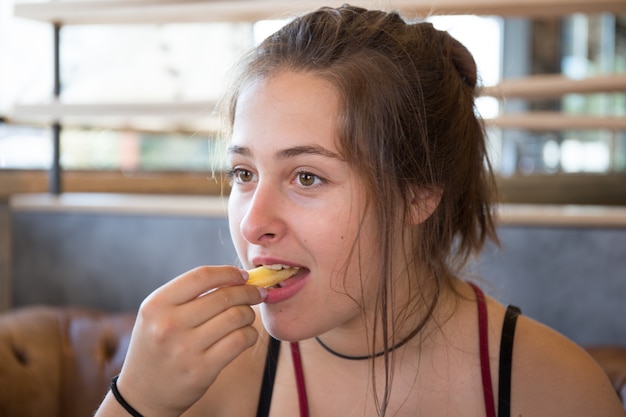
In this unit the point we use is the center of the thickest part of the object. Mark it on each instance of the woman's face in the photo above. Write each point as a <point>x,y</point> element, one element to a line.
<point>296,201</point>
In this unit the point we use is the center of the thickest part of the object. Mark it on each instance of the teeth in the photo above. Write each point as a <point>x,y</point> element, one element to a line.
<point>276,267</point>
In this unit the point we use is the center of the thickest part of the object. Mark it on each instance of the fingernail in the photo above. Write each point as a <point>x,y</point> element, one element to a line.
<point>244,274</point>
<point>262,293</point>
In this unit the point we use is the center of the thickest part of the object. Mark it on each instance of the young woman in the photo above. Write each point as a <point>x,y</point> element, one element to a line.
<point>357,157</point>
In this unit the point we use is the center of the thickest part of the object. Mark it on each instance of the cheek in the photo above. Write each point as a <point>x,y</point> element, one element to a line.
<point>334,230</point>
<point>234,220</point>
<point>349,249</point>
<point>362,242</point>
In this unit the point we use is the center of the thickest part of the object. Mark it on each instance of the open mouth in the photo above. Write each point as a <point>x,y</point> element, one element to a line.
<point>285,272</point>
<point>292,279</point>
<point>271,276</point>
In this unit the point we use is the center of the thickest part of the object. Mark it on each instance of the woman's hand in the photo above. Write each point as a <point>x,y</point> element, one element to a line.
<point>186,332</point>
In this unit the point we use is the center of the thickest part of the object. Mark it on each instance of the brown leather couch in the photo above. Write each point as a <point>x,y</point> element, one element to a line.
<point>58,362</point>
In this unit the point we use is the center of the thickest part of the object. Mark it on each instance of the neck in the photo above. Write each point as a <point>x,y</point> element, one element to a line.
<point>368,356</point>
<point>420,320</point>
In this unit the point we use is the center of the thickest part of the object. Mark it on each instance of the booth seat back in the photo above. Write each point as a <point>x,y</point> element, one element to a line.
<point>59,361</point>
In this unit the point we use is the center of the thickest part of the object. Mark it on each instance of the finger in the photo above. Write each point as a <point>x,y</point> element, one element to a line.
<point>211,304</point>
<point>200,280</point>
<point>211,332</point>
<point>229,347</point>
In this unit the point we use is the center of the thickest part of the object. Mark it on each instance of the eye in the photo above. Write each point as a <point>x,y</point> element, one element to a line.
<point>241,175</point>
<point>308,179</point>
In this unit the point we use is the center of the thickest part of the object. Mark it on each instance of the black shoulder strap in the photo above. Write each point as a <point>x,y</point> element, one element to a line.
<point>506,358</point>
<point>269,374</point>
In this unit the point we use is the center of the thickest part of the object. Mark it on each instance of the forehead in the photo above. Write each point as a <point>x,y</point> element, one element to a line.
<point>288,101</point>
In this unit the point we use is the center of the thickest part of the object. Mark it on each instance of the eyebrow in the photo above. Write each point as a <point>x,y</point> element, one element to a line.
<point>290,152</point>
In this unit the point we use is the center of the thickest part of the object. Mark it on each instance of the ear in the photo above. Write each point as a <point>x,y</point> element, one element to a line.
<point>424,202</point>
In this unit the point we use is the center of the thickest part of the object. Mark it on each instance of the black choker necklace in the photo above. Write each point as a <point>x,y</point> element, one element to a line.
<point>360,358</point>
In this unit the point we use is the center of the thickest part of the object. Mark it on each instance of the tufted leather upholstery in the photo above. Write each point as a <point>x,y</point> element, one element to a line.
<point>59,361</point>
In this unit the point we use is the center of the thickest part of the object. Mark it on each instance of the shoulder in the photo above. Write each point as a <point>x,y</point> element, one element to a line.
<point>237,389</point>
<point>551,375</point>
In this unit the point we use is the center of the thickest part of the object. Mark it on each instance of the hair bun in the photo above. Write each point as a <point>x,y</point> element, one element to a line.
<point>463,61</point>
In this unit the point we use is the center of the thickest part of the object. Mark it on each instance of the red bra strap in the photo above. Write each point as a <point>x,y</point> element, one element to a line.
<point>484,361</point>
<point>484,351</point>
<point>297,366</point>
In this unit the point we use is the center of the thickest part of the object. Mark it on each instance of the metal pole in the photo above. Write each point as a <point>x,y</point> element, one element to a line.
<point>55,169</point>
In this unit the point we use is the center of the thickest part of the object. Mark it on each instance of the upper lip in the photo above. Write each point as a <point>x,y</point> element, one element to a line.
<point>261,260</point>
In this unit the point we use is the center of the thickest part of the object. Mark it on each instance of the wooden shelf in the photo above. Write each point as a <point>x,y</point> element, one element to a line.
<point>113,203</point>
<point>175,116</point>
<point>562,215</point>
<point>124,182</point>
<point>539,87</point>
<point>554,121</point>
<point>179,11</point>
<point>564,189</point>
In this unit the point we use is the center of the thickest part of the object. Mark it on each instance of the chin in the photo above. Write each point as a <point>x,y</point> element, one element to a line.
<point>282,326</point>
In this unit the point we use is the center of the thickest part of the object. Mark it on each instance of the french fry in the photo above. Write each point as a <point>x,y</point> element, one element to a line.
<point>266,277</point>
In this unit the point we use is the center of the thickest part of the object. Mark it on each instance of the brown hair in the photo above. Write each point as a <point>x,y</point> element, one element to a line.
<point>407,122</point>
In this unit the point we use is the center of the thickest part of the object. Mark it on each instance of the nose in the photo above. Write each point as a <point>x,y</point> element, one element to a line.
<point>263,221</point>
